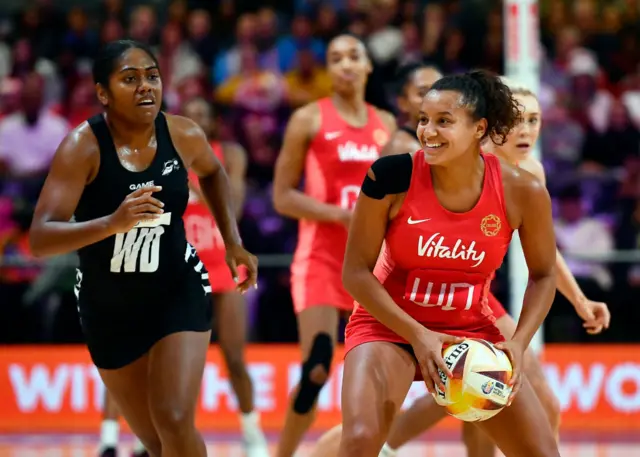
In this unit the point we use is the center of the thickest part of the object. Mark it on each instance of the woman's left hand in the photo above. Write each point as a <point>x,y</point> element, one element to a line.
<point>237,255</point>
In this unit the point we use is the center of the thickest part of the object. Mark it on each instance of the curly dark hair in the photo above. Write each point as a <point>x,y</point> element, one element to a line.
<point>486,96</point>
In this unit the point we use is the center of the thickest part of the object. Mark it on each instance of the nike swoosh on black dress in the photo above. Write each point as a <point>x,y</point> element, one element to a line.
<point>135,288</point>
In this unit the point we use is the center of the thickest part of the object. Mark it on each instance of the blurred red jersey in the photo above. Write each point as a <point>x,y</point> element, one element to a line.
<point>338,159</point>
<point>203,234</point>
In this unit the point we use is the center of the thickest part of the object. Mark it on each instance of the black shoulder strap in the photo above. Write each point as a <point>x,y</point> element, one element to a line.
<point>99,127</point>
<point>101,131</point>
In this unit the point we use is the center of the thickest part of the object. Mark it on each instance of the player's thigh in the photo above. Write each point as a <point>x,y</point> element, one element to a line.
<point>522,429</point>
<point>231,317</point>
<point>128,387</point>
<point>176,365</point>
<point>375,382</point>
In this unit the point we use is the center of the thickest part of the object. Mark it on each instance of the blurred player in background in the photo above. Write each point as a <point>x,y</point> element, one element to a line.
<point>230,307</point>
<point>332,142</point>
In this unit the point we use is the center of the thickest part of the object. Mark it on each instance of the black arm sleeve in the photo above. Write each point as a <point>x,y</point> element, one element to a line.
<point>392,176</point>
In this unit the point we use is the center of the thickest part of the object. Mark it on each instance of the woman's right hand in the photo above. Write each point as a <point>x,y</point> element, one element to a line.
<point>427,347</point>
<point>138,206</point>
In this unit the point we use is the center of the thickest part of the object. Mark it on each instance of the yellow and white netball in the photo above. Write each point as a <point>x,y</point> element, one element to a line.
<point>478,390</point>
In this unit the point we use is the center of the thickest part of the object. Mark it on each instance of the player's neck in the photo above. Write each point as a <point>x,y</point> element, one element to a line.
<point>469,168</point>
<point>134,136</point>
<point>350,104</point>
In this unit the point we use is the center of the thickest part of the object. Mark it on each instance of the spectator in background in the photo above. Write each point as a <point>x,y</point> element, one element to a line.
<point>309,81</point>
<point>177,13</point>
<point>29,138</point>
<point>112,30</point>
<point>200,37</point>
<point>177,62</point>
<point>562,137</point>
<point>143,25</point>
<point>111,10</point>
<point>301,38</point>
<point>24,59</point>
<point>256,99</point>
<point>610,148</point>
<point>267,40</point>
<point>449,54</point>
<point>227,64</point>
<point>433,25</point>
<point>80,40</point>
<point>5,51</point>
<point>384,40</point>
<point>10,92</point>
<point>411,46</point>
<point>578,232</point>
<point>327,23</point>
<point>41,25</point>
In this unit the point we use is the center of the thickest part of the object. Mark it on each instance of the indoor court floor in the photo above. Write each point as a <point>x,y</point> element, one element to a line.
<point>229,446</point>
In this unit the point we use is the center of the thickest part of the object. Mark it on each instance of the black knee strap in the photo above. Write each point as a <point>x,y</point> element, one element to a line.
<point>320,355</point>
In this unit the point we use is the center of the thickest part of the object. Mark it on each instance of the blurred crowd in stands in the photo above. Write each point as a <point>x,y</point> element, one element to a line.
<point>258,61</point>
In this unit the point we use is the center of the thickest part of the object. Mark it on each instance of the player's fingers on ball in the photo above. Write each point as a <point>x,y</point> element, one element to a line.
<point>439,361</point>
<point>433,374</point>
<point>428,379</point>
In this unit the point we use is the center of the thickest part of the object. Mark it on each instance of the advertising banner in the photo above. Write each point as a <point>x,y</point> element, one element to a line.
<point>57,389</point>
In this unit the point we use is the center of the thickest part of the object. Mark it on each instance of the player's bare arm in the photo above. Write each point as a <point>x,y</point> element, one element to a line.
<point>366,235</point>
<point>287,199</point>
<point>196,153</point>
<point>529,207</point>
<point>76,164</point>
<point>235,163</point>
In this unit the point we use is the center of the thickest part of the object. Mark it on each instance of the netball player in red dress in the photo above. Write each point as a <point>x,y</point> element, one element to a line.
<point>424,412</point>
<point>446,214</point>
<point>332,142</point>
<point>230,308</point>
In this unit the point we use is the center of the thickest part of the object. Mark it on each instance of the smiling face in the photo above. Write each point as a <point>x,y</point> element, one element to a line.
<point>446,129</point>
<point>134,92</point>
<point>524,135</point>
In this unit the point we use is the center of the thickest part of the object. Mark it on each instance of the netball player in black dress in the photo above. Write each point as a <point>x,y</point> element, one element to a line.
<point>143,294</point>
